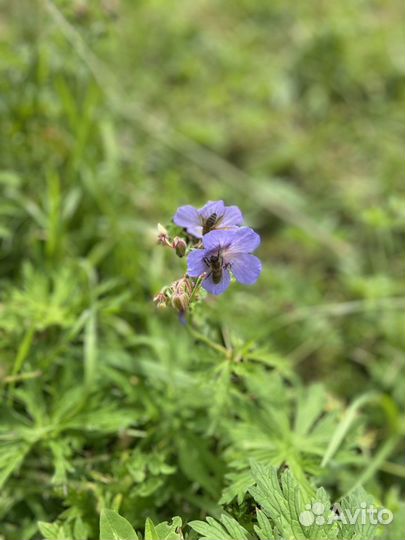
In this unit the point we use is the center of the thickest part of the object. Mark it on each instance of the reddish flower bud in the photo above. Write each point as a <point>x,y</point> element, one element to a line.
<point>180,302</point>
<point>180,246</point>
<point>161,300</point>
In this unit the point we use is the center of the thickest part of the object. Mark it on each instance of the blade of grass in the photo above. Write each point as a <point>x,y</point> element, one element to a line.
<point>54,217</point>
<point>203,157</point>
<point>90,349</point>
<point>11,379</point>
<point>375,464</point>
<point>22,354</point>
<point>345,424</point>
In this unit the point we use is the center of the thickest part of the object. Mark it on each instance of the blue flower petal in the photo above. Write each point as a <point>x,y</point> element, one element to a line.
<point>195,263</point>
<point>188,217</point>
<point>182,318</point>
<point>212,207</point>
<point>243,240</point>
<point>246,268</point>
<point>232,217</point>
<point>215,240</point>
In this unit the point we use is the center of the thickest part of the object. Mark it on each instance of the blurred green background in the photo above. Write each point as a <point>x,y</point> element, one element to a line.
<point>113,114</point>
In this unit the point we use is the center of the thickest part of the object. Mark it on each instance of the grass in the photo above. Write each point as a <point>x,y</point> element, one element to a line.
<point>113,114</point>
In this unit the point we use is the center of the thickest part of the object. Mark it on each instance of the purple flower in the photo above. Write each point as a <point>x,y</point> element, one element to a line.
<point>225,252</point>
<point>213,216</point>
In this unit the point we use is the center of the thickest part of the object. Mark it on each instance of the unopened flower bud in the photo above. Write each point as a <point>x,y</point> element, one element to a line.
<point>160,300</point>
<point>180,246</point>
<point>180,302</point>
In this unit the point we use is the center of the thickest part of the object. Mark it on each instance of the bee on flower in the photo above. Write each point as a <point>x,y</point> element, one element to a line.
<point>224,248</point>
<point>213,216</point>
<point>226,252</point>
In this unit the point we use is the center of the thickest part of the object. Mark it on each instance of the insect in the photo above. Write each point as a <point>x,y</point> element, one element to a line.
<point>216,264</point>
<point>210,223</point>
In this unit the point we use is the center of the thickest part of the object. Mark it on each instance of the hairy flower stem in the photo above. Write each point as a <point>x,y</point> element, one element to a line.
<point>204,339</point>
<point>196,287</point>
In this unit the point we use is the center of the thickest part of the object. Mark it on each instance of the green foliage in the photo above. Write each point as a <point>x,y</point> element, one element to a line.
<point>114,526</point>
<point>113,114</point>
<point>280,503</point>
<point>279,432</point>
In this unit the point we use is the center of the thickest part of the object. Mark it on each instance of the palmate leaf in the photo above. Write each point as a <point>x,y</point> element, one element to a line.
<point>294,433</point>
<point>46,300</point>
<point>61,453</point>
<point>11,457</point>
<point>284,511</point>
<point>287,512</point>
<point>288,506</point>
<point>396,528</point>
<point>54,427</point>
<point>360,528</point>
<point>284,502</point>
<point>263,529</point>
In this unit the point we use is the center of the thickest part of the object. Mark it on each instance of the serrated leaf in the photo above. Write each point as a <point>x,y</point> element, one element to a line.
<point>60,451</point>
<point>283,500</point>
<point>166,531</point>
<point>228,529</point>
<point>11,457</point>
<point>352,505</point>
<point>50,531</point>
<point>263,529</point>
<point>233,527</point>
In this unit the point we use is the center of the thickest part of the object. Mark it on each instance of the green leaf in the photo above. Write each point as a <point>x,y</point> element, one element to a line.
<point>345,425</point>
<point>284,507</point>
<point>294,430</point>
<point>164,530</point>
<point>310,402</point>
<point>11,457</point>
<point>228,529</point>
<point>264,529</point>
<point>286,504</point>
<point>90,349</point>
<point>60,451</point>
<point>360,529</point>
<point>150,530</point>
<point>50,531</point>
<point>115,527</point>
<point>171,531</point>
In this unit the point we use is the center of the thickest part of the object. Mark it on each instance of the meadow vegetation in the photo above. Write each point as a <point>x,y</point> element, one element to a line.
<point>114,114</point>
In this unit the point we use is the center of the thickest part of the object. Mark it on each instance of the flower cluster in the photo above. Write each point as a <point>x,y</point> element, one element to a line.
<point>217,246</point>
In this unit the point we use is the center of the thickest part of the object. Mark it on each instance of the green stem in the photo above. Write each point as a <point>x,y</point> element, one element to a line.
<point>195,289</point>
<point>11,379</point>
<point>23,350</point>
<point>22,354</point>
<point>207,341</point>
